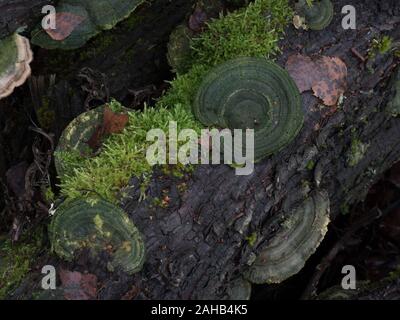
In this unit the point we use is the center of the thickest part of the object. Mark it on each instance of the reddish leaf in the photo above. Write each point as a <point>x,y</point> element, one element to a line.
<point>326,76</point>
<point>112,123</point>
<point>66,23</point>
<point>303,71</point>
<point>78,286</point>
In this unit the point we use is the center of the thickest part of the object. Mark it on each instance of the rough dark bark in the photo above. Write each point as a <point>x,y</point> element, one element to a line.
<point>18,13</point>
<point>197,245</point>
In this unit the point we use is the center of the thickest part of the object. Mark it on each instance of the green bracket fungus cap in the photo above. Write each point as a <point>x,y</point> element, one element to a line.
<point>97,15</point>
<point>97,225</point>
<point>317,16</point>
<point>15,57</point>
<point>252,93</point>
<point>286,254</point>
<point>179,49</point>
<point>75,137</point>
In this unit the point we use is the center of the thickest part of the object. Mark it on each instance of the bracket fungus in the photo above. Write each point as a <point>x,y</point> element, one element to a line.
<point>86,18</point>
<point>317,16</point>
<point>80,135</point>
<point>252,93</point>
<point>97,225</point>
<point>179,48</point>
<point>287,252</point>
<point>15,57</point>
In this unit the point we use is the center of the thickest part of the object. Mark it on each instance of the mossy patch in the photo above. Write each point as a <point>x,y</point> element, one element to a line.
<point>252,31</point>
<point>356,152</point>
<point>16,260</point>
<point>8,53</point>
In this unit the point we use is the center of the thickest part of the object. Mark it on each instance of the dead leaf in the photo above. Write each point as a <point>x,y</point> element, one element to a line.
<point>66,23</point>
<point>78,286</point>
<point>326,76</point>
<point>112,123</point>
<point>303,70</point>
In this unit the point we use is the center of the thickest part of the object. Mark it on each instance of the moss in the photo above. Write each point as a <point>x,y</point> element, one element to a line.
<point>310,165</point>
<point>8,53</point>
<point>381,45</point>
<point>252,239</point>
<point>356,152</point>
<point>251,31</point>
<point>16,260</point>
<point>123,155</point>
<point>46,116</point>
<point>344,209</point>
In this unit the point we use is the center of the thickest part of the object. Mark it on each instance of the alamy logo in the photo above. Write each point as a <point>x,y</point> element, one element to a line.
<point>349,281</point>
<point>49,21</point>
<point>49,280</point>
<point>187,147</point>
<point>349,20</point>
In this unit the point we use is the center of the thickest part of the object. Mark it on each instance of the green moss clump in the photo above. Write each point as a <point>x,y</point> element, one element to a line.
<point>252,31</point>
<point>122,156</point>
<point>16,260</point>
<point>252,239</point>
<point>356,152</point>
<point>381,45</point>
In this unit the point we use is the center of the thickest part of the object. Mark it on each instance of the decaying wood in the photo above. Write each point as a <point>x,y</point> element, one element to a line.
<point>197,245</point>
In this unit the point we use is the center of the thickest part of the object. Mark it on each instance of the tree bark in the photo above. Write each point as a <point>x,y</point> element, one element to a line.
<point>19,13</point>
<point>197,245</point>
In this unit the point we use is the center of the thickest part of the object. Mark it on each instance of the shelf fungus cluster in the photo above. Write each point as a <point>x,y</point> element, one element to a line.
<point>99,226</point>
<point>15,57</point>
<point>252,93</point>
<point>79,20</point>
<point>287,252</point>
<point>315,16</point>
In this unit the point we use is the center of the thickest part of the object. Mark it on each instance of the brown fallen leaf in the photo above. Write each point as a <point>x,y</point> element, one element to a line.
<point>304,71</point>
<point>66,23</point>
<point>325,76</point>
<point>78,286</point>
<point>112,123</point>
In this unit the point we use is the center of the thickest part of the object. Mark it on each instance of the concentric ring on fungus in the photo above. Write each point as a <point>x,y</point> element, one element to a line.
<point>287,252</point>
<point>15,57</point>
<point>79,224</point>
<point>252,93</point>
<point>317,16</point>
